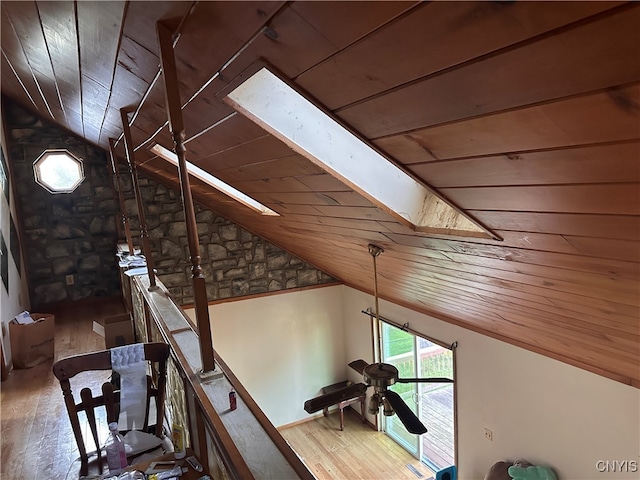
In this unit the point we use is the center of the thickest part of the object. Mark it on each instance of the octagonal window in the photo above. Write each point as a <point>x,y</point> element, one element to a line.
<point>58,171</point>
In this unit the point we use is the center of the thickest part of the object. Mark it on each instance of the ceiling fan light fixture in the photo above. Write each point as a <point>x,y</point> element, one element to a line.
<point>388,409</point>
<point>374,404</point>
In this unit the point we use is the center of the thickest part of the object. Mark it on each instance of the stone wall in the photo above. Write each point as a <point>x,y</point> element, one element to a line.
<point>75,234</point>
<point>234,261</point>
<point>67,234</point>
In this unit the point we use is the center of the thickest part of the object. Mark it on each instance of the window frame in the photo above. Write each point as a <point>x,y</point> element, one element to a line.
<point>43,182</point>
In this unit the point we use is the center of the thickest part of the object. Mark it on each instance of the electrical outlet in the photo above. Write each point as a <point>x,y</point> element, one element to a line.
<point>488,434</point>
<point>69,279</point>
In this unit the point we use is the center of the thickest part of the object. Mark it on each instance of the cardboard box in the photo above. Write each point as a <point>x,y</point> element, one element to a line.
<point>118,330</point>
<point>32,343</point>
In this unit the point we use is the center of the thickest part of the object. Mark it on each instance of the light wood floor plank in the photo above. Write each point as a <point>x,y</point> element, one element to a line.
<point>37,441</point>
<point>358,452</point>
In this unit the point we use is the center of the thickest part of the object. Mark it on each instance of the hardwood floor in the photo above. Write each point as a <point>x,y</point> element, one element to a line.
<point>358,452</point>
<point>37,441</point>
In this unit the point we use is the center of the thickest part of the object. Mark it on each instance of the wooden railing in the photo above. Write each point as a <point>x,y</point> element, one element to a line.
<point>239,444</point>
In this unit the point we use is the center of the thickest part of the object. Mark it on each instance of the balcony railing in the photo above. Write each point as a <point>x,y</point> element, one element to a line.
<point>239,444</point>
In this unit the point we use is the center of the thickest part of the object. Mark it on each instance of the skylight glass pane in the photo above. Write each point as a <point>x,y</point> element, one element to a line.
<point>288,115</point>
<point>215,182</point>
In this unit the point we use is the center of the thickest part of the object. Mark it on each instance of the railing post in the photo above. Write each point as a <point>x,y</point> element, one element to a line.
<point>144,234</point>
<point>174,113</point>
<point>116,184</point>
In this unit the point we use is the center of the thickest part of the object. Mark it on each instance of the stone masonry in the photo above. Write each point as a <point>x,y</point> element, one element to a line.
<point>66,235</point>
<point>76,233</point>
<point>234,261</point>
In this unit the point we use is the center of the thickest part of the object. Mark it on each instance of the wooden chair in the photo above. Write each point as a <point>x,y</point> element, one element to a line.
<point>69,367</point>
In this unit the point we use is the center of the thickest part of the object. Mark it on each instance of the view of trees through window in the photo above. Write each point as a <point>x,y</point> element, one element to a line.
<point>433,403</point>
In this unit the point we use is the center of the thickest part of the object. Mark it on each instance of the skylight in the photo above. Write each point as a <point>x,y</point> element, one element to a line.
<point>215,182</point>
<point>285,113</point>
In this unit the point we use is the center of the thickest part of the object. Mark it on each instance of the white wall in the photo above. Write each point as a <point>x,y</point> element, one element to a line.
<point>283,347</point>
<point>16,299</point>
<point>538,409</point>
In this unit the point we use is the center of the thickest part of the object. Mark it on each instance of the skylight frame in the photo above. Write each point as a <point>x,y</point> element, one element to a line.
<point>215,182</point>
<point>298,121</point>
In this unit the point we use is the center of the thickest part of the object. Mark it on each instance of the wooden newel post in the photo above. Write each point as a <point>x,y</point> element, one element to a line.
<point>144,234</point>
<point>174,112</point>
<point>116,184</point>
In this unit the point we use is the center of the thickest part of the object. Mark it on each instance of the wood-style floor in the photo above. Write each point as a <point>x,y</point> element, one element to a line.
<point>36,438</point>
<point>37,442</point>
<point>358,452</point>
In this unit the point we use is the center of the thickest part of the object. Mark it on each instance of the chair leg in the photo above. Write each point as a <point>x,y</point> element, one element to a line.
<point>341,419</point>
<point>75,425</point>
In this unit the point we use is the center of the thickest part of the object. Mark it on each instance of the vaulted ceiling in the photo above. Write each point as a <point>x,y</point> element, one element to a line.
<point>523,115</point>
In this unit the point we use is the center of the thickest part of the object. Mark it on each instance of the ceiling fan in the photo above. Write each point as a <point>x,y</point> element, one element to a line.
<point>380,376</point>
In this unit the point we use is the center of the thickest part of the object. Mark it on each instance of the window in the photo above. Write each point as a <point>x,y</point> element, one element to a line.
<point>433,403</point>
<point>58,171</point>
<point>288,115</point>
<point>215,182</point>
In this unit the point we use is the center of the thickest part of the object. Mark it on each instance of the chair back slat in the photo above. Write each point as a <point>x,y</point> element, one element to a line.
<point>111,402</point>
<point>156,354</point>
<point>89,403</point>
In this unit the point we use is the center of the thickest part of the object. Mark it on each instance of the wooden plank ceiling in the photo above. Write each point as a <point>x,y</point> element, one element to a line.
<point>525,115</point>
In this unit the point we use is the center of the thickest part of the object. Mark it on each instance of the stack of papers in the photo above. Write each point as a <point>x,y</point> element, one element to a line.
<point>132,261</point>
<point>24,318</point>
<point>136,271</point>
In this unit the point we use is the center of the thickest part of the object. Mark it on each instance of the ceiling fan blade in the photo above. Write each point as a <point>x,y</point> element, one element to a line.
<point>318,403</point>
<point>406,416</point>
<point>425,380</point>
<point>359,366</point>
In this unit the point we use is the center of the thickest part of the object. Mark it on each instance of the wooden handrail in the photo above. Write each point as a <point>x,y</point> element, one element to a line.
<point>172,323</point>
<point>226,448</point>
<point>271,430</point>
